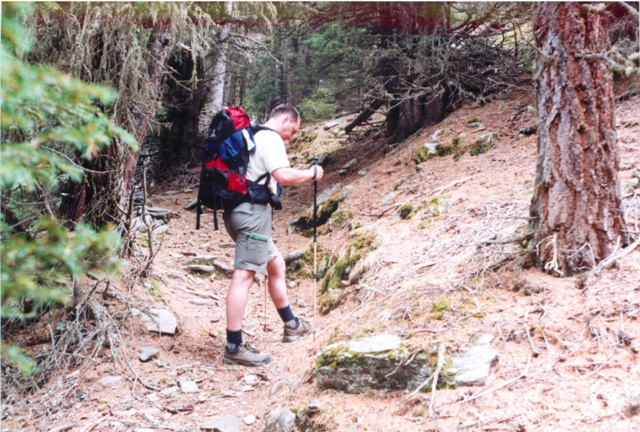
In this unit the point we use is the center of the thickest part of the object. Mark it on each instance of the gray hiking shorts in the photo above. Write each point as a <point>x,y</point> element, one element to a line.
<point>249,225</point>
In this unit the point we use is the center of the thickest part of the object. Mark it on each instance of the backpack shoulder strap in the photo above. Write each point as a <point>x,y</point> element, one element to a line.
<point>258,128</point>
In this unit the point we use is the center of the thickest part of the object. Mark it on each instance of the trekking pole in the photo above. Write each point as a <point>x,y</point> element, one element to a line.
<point>314,162</point>
<point>266,284</point>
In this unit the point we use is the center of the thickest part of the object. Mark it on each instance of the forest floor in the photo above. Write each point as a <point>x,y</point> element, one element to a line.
<point>567,347</point>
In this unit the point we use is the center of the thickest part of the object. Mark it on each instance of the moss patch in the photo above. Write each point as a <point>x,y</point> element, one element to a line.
<point>405,210</point>
<point>360,245</point>
<point>482,145</point>
<point>422,155</point>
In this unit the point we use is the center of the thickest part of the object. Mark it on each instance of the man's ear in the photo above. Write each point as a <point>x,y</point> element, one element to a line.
<point>285,119</point>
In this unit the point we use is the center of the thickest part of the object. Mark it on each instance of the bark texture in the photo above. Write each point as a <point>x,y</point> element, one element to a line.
<point>576,210</point>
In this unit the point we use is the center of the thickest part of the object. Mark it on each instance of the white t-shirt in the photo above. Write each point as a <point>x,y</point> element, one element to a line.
<point>270,154</point>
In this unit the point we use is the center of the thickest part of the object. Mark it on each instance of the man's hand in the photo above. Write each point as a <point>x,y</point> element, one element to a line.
<point>316,172</point>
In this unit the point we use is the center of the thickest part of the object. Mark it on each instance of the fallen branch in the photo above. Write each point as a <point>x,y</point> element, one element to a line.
<point>455,183</point>
<point>614,257</point>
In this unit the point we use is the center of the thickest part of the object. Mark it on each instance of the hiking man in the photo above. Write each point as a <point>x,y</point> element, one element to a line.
<point>249,225</point>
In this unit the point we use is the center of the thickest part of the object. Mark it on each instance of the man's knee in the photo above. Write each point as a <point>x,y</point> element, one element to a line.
<point>276,266</point>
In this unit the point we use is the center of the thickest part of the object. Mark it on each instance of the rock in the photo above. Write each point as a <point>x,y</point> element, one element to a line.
<point>330,124</point>
<point>436,134</point>
<point>280,420</point>
<point>200,259</point>
<point>292,284</point>
<point>431,146</point>
<point>198,268</point>
<point>180,407</point>
<point>227,423</point>
<point>633,184</point>
<point>230,393</point>
<point>148,353</point>
<point>162,213</point>
<point>251,379</point>
<point>636,174</point>
<point>192,205</point>
<point>377,363</point>
<point>160,230</point>
<point>345,169</point>
<point>169,390</point>
<point>312,408</point>
<point>362,172</point>
<point>388,198</point>
<point>158,320</point>
<point>250,419</point>
<point>472,367</point>
<point>344,193</point>
<point>108,380</point>
<point>188,386</point>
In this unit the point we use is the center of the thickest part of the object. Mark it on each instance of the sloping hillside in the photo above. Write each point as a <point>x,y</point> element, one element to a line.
<point>453,269</point>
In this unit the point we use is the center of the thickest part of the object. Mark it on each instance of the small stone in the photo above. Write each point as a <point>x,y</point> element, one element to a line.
<point>362,172</point>
<point>188,386</point>
<point>250,419</point>
<point>148,353</point>
<point>169,390</point>
<point>313,407</point>
<point>226,423</point>
<point>247,388</point>
<point>636,173</point>
<point>292,284</point>
<point>230,393</point>
<point>251,379</point>
<point>110,380</point>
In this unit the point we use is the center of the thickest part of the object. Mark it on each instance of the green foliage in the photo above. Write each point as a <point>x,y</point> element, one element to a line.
<point>405,210</point>
<point>423,154</point>
<point>320,105</point>
<point>44,112</point>
<point>446,150</point>
<point>482,145</point>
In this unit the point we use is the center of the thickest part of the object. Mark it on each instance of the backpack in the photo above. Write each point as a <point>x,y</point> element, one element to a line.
<point>225,159</point>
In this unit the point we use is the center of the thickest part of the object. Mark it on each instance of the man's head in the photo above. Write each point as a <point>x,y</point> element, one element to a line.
<point>285,120</point>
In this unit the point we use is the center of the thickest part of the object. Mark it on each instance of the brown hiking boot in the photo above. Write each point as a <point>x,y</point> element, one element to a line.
<point>246,356</point>
<point>303,329</point>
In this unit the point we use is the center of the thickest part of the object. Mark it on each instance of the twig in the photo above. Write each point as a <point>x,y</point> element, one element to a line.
<point>63,428</point>
<point>455,183</point>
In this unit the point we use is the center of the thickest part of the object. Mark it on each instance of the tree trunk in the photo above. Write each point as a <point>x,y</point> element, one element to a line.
<point>215,95</point>
<point>576,211</point>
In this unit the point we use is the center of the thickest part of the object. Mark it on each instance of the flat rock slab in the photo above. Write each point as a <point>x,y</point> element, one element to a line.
<point>108,380</point>
<point>158,320</point>
<point>188,386</point>
<point>147,353</point>
<point>380,362</point>
<point>226,423</point>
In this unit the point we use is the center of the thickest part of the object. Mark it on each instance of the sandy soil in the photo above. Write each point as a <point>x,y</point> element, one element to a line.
<point>568,348</point>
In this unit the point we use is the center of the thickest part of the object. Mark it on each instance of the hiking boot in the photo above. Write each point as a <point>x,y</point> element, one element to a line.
<point>303,329</point>
<point>246,355</point>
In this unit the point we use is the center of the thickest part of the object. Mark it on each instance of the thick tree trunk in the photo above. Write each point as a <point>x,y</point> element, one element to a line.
<point>103,192</point>
<point>215,94</point>
<point>576,209</point>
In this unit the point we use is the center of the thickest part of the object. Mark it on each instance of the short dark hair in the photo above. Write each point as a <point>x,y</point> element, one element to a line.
<point>287,109</point>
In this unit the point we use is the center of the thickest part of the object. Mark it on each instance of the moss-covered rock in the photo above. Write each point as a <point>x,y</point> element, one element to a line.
<point>380,362</point>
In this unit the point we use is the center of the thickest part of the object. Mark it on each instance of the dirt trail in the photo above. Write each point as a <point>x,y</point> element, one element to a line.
<point>564,361</point>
